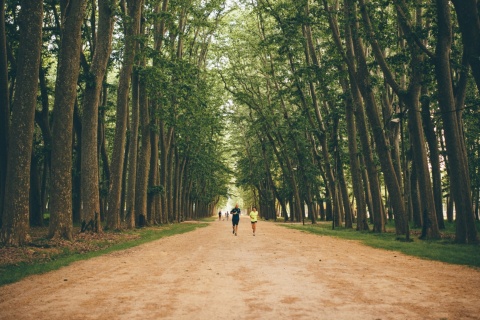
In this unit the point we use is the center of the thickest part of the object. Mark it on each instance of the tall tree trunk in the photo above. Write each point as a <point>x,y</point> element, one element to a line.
<point>416,201</point>
<point>15,223</point>
<point>176,184</point>
<point>123,195</point>
<point>42,118</point>
<point>354,160</point>
<point>4,107</point>
<point>430,225</point>
<point>153,208</point>
<point>90,120</point>
<point>102,150</point>
<point>143,167</point>
<point>153,213</point>
<point>344,193</point>
<point>469,22</point>
<point>116,177</point>
<point>61,224</point>
<point>459,174</point>
<point>77,165</point>
<point>433,147</point>
<point>170,176</point>
<point>133,152</point>
<point>36,212</point>
<point>166,135</point>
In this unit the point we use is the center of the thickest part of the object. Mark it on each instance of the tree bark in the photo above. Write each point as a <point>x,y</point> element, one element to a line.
<point>416,201</point>
<point>371,180</point>
<point>133,152</point>
<point>153,207</point>
<point>42,119</point>
<point>143,167</point>
<point>15,223</point>
<point>36,212</point>
<point>383,147</point>
<point>433,147</point>
<point>116,177</point>
<point>90,121</point>
<point>4,107</point>
<point>469,22</point>
<point>77,165</point>
<point>61,224</point>
<point>410,97</point>
<point>459,174</point>
<point>354,160</point>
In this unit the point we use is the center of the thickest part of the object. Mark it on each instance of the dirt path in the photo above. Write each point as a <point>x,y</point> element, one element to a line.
<point>278,274</point>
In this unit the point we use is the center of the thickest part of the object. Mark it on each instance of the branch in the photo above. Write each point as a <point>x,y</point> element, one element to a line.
<point>377,50</point>
<point>408,29</point>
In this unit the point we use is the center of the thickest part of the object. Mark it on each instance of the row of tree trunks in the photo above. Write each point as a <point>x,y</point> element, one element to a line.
<point>321,133</point>
<point>351,127</point>
<point>455,145</point>
<point>132,28</point>
<point>370,179</point>
<point>411,100</point>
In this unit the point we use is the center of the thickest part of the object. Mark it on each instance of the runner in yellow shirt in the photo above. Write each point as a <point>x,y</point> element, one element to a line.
<point>254,219</point>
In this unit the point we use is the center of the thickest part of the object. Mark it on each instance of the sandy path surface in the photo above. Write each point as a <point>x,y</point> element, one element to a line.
<point>278,274</point>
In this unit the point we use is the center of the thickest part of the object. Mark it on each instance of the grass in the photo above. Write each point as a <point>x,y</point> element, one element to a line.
<point>444,250</point>
<point>10,273</point>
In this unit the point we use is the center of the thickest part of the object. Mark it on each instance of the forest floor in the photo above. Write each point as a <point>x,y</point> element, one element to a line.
<point>278,274</point>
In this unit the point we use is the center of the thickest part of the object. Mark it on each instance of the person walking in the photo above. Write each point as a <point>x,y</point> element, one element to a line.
<point>219,215</point>
<point>254,219</point>
<point>235,218</point>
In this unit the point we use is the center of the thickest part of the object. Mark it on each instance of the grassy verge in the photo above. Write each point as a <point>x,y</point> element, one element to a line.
<point>444,250</point>
<point>63,255</point>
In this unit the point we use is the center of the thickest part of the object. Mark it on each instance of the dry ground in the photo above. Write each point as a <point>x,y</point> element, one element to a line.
<point>278,274</point>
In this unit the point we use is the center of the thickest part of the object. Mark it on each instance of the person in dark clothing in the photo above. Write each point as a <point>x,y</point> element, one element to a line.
<point>235,218</point>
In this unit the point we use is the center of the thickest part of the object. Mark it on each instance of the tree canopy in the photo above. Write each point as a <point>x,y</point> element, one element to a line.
<point>124,113</point>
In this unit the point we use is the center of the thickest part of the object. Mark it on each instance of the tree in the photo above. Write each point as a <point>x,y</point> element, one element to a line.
<point>72,13</point>
<point>370,180</point>
<point>456,150</point>
<point>90,194</point>
<point>132,25</point>
<point>469,22</point>
<point>410,97</point>
<point>4,107</point>
<point>15,225</point>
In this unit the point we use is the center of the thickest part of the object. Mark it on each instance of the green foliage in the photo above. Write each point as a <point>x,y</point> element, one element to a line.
<point>153,190</point>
